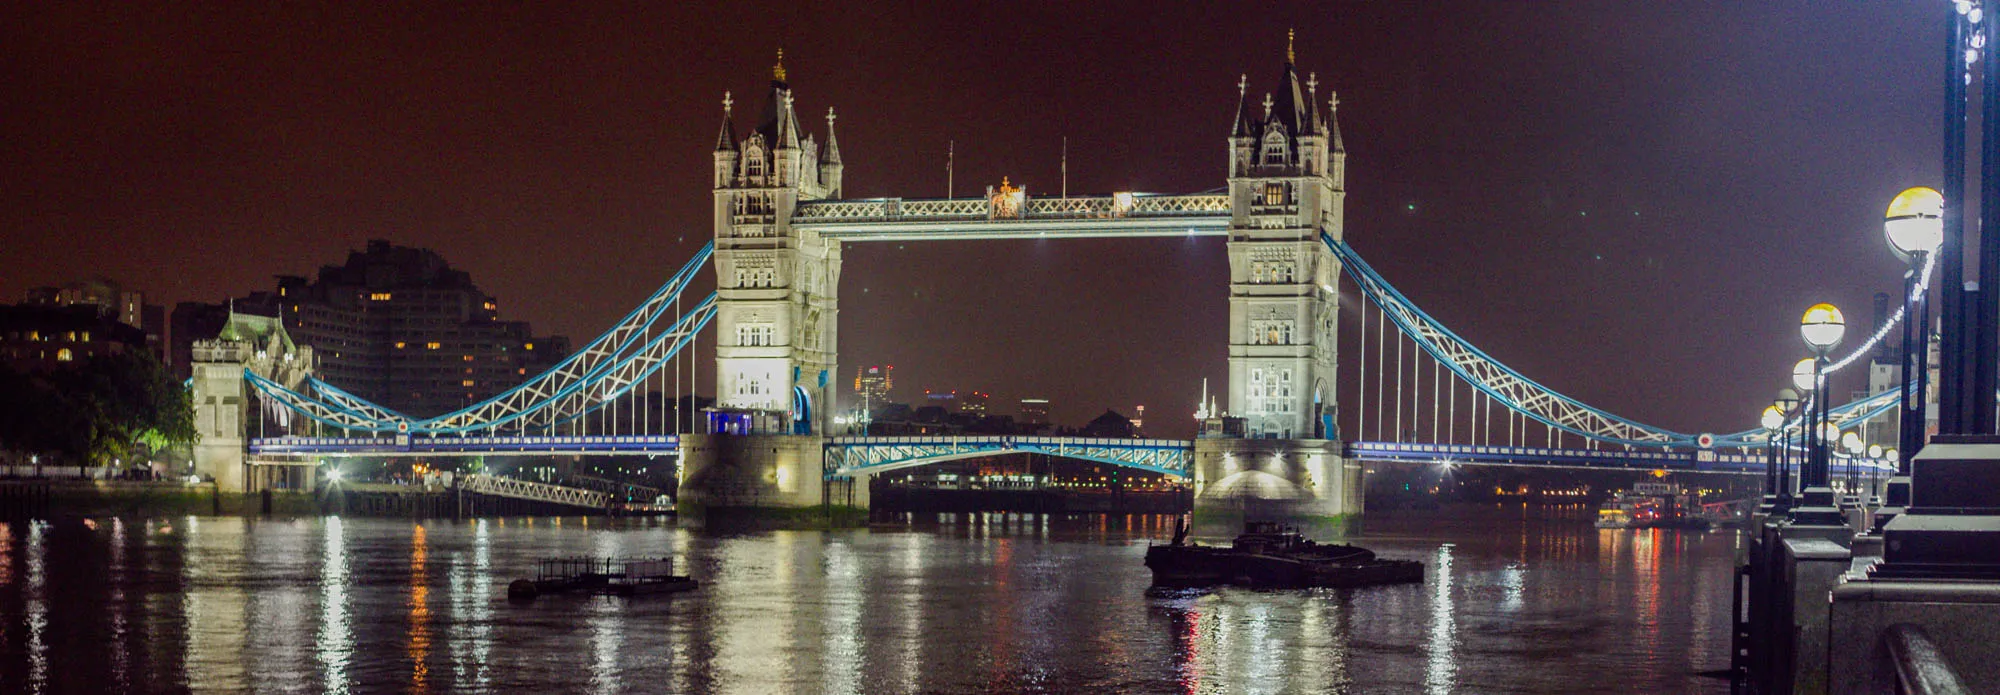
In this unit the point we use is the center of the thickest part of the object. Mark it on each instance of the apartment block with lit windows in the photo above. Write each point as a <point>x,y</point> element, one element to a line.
<point>398,326</point>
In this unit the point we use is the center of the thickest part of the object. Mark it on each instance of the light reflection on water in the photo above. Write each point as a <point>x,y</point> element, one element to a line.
<point>950,603</point>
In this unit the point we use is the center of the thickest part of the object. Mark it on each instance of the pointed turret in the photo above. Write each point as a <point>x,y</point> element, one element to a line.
<point>1242,129</point>
<point>725,141</point>
<point>1333,120</point>
<point>829,163</point>
<point>1292,105</point>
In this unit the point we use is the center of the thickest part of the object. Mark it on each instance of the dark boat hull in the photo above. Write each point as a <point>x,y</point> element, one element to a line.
<point>1182,565</point>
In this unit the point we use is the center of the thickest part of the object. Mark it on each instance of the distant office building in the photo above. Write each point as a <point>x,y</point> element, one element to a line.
<point>398,326</point>
<point>110,299</point>
<point>973,402</point>
<point>1139,420</point>
<point>1035,411</point>
<point>41,337</point>
<point>872,384</point>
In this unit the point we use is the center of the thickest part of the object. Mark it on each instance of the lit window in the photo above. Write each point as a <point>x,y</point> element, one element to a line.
<point>63,355</point>
<point>400,345</point>
<point>467,382</point>
<point>467,358</point>
<point>1274,193</point>
<point>529,346</point>
<point>380,297</point>
<point>754,335</point>
<point>432,345</point>
<point>86,336</point>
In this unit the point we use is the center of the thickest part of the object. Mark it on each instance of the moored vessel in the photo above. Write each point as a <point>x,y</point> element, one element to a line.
<point>1269,555</point>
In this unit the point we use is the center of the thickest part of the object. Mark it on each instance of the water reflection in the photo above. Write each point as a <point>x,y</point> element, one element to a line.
<point>335,639</point>
<point>1440,670</point>
<point>949,604</point>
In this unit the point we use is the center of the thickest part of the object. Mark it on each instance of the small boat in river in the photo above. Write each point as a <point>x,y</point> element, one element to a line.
<point>605,576</point>
<point>1268,555</point>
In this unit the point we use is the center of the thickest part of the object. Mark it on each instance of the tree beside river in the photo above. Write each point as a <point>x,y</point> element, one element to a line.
<point>121,406</point>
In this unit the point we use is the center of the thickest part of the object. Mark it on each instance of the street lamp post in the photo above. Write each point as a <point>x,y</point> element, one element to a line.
<point>1788,404</point>
<point>1773,422</point>
<point>1914,227</point>
<point>1821,328</point>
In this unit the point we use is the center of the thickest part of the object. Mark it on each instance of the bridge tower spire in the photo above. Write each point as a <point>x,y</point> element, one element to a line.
<point>1286,189</point>
<point>777,286</point>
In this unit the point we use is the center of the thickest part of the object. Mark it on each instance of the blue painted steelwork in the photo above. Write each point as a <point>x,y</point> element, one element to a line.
<point>588,379</point>
<point>405,445</point>
<point>846,456</point>
<point>1699,461</point>
<point>1517,392</point>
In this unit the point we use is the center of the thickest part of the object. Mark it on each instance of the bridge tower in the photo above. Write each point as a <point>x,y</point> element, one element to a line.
<point>777,286</point>
<point>776,312</point>
<point>222,408</point>
<point>1287,186</point>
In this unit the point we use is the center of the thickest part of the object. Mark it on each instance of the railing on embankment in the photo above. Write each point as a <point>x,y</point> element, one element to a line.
<point>1920,667</point>
<point>468,495</point>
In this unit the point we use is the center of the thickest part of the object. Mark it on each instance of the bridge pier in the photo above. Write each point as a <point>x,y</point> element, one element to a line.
<point>1302,481</point>
<point>760,472</point>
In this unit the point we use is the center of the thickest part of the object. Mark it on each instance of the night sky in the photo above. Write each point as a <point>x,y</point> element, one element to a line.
<point>1629,202</point>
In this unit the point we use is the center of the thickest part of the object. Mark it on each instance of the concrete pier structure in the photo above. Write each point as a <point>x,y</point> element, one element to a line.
<point>1301,480</point>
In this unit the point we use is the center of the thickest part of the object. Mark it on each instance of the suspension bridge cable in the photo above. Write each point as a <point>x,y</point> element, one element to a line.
<point>1361,386</point>
<point>1381,333</point>
<point>1399,387</point>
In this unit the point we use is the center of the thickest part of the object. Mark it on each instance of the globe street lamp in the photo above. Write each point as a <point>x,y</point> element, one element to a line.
<point>1914,227</point>
<point>1822,328</point>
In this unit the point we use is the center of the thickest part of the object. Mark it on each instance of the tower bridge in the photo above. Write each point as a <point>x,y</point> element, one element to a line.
<point>779,227</point>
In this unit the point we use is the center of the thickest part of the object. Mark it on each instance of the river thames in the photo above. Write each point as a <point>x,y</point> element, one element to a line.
<point>1516,600</point>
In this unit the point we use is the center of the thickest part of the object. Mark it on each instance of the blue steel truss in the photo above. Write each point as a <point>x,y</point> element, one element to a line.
<point>1517,392</point>
<point>405,445</point>
<point>847,456</point>
<point>603,370</point>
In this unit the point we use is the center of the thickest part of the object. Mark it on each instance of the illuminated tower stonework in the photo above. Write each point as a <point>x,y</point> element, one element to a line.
<point>1286,186</point>
<point>777,286</point>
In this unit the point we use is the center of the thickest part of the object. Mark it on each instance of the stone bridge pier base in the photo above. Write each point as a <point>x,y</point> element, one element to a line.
<point>1305,482</point>
<point>753,473</point>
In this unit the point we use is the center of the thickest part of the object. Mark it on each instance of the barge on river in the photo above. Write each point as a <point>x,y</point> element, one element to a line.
<point>605,576</point>
<point>1268,555</point>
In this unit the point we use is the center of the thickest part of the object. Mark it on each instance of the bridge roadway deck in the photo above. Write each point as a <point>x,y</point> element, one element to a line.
<point>852,455</point>
<point>404,445</point>
<point>1700,461</point>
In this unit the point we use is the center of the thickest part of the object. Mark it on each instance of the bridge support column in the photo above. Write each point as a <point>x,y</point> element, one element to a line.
<point>1303,481</point>
<point>753,472</point>
<point>220,414</point>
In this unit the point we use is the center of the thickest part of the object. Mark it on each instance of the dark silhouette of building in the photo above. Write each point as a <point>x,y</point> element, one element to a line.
<point>112,300</point>
<point>1110,424</point>
<point>399,326</point>
<point>42,337</point>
